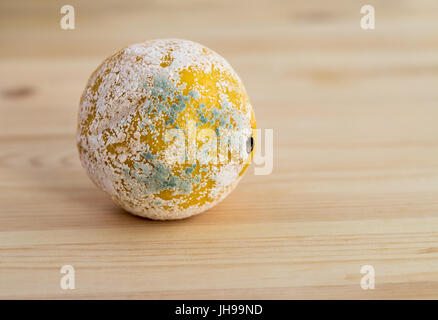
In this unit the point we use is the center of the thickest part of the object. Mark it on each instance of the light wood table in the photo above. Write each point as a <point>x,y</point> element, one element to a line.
<point>355,180</point>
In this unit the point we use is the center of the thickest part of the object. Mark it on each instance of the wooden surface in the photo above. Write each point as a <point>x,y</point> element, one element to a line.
<point>355,180</point>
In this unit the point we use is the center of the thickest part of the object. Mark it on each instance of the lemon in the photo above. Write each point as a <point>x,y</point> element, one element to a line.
<point>165,128</point>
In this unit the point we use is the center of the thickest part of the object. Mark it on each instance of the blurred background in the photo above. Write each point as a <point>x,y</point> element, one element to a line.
<point>355,177</point>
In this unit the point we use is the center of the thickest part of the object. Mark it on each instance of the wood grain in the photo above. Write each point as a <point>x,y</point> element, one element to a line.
<point>355,177</point>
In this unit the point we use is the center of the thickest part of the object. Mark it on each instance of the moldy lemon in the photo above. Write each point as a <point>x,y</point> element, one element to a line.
<point>165,128</point>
